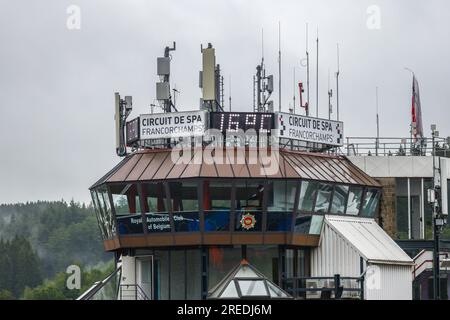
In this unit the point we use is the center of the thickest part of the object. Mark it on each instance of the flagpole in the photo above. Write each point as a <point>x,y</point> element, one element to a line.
<point>411,125</point>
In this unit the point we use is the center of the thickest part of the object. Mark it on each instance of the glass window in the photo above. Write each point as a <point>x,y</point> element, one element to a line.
<point>184,196</point>
<point>308,193</point>
<point>401,192</point>
<point>108,217</point>
<point>264,259</point>
<point>316,224</point>
<point>185,205</point>
<point>323,197</point>
<point>354,200</point>
<point>281,195</point>
<point>249,204</point>
<point>252,288</point>
<point>125,199</point>
<point>194,271</point>
<point>177,275</point>
<point>217,205</point>
<point>302,223</point>
<point>370,203</point>
<point>280,205</point>
<point>127,208</point>
<point>162,268</point>
<point>339,197</point>
<point>99,215</point>
<point>221,261</point>
<point>279,221</point>
<point>428,212</point>
<point>156,207</point>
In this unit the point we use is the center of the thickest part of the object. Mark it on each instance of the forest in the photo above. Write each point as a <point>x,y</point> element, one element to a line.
<point>39,240</point>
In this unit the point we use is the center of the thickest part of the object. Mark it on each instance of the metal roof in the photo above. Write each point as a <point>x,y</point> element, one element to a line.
<point>369,239</point>
<point>162,164</point>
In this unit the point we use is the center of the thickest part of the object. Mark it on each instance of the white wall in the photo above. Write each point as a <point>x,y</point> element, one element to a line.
<point>335,255</point>
<point>128,270</point>
<point>389,282</point>
<point>395,166</point>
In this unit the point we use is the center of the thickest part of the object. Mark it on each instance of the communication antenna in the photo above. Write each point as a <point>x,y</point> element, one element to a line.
<point>337,83</point>
<point>175,92</point>
<point>317,75</point>
<point>163,87</point>
<point>263,84</point>
<point>279,66</point>
<point>294,84</point>
<point>330,94</point>
<point>123,109</point>
<point>307,71</point>
<point>229,97</point>
<point>378,123</point>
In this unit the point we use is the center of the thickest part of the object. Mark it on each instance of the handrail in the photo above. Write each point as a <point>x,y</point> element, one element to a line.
<point>89,293</point>
<point>396,146</point>
<point>336,287</point>
<point>138,293</point>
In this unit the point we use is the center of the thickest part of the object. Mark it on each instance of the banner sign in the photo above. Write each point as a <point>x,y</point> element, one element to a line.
<point>297,127</point>
<point>172,125</point>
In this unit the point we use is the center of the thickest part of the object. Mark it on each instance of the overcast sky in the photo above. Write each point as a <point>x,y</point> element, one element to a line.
<point>57,85</point>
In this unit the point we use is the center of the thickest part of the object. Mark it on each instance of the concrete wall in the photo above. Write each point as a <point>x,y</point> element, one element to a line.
<point>397,166</point>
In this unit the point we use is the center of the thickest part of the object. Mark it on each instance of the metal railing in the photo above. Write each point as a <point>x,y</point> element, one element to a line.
<point>132,292</point>
<point>104,290</point>
<point>336,287</point>
<point>395,146</point>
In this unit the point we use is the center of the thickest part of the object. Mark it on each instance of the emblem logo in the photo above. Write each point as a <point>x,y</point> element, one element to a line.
<point>248,221</point>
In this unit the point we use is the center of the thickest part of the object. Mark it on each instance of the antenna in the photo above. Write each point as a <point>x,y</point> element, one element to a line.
<point>307,71</point>
<point>279,66</point>
<point>293,97</point>
<point>229,97</point>
<point>337,83</point>
<point>163,87</point>
<point>378,123</point>
<point>330,94</point>
<point>317,75</point>
<point>262,43</point>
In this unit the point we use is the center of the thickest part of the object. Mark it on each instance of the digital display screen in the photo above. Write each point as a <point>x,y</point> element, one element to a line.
<point>235,121</point>
<point>132,130</point>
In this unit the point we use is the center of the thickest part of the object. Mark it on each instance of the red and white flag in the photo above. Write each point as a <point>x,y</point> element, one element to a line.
<point>416,112</point>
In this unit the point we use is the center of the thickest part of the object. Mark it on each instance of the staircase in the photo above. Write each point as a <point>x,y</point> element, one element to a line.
<point>423,261</point>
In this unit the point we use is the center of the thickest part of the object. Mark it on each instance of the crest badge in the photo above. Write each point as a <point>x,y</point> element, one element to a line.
<point>248,221</point>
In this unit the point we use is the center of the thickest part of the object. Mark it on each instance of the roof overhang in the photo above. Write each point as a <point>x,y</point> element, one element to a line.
<point>248,163</point>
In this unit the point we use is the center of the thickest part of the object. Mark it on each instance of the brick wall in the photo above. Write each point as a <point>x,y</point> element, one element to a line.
<point>387,217</point>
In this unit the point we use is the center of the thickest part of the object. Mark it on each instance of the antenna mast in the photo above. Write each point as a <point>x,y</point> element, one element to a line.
<point>229,97</point>
<point>293,97</point>
<point>317,75</point>
<point>279,66</point>
<point>337,83</point>
<point>330,94</point>
<point>378,123</point>
<point>307,71</point>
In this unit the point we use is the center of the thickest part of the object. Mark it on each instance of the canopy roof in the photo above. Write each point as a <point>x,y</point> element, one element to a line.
<point>369,239</point>
<point>164,164</point>
<point>244,281</point>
